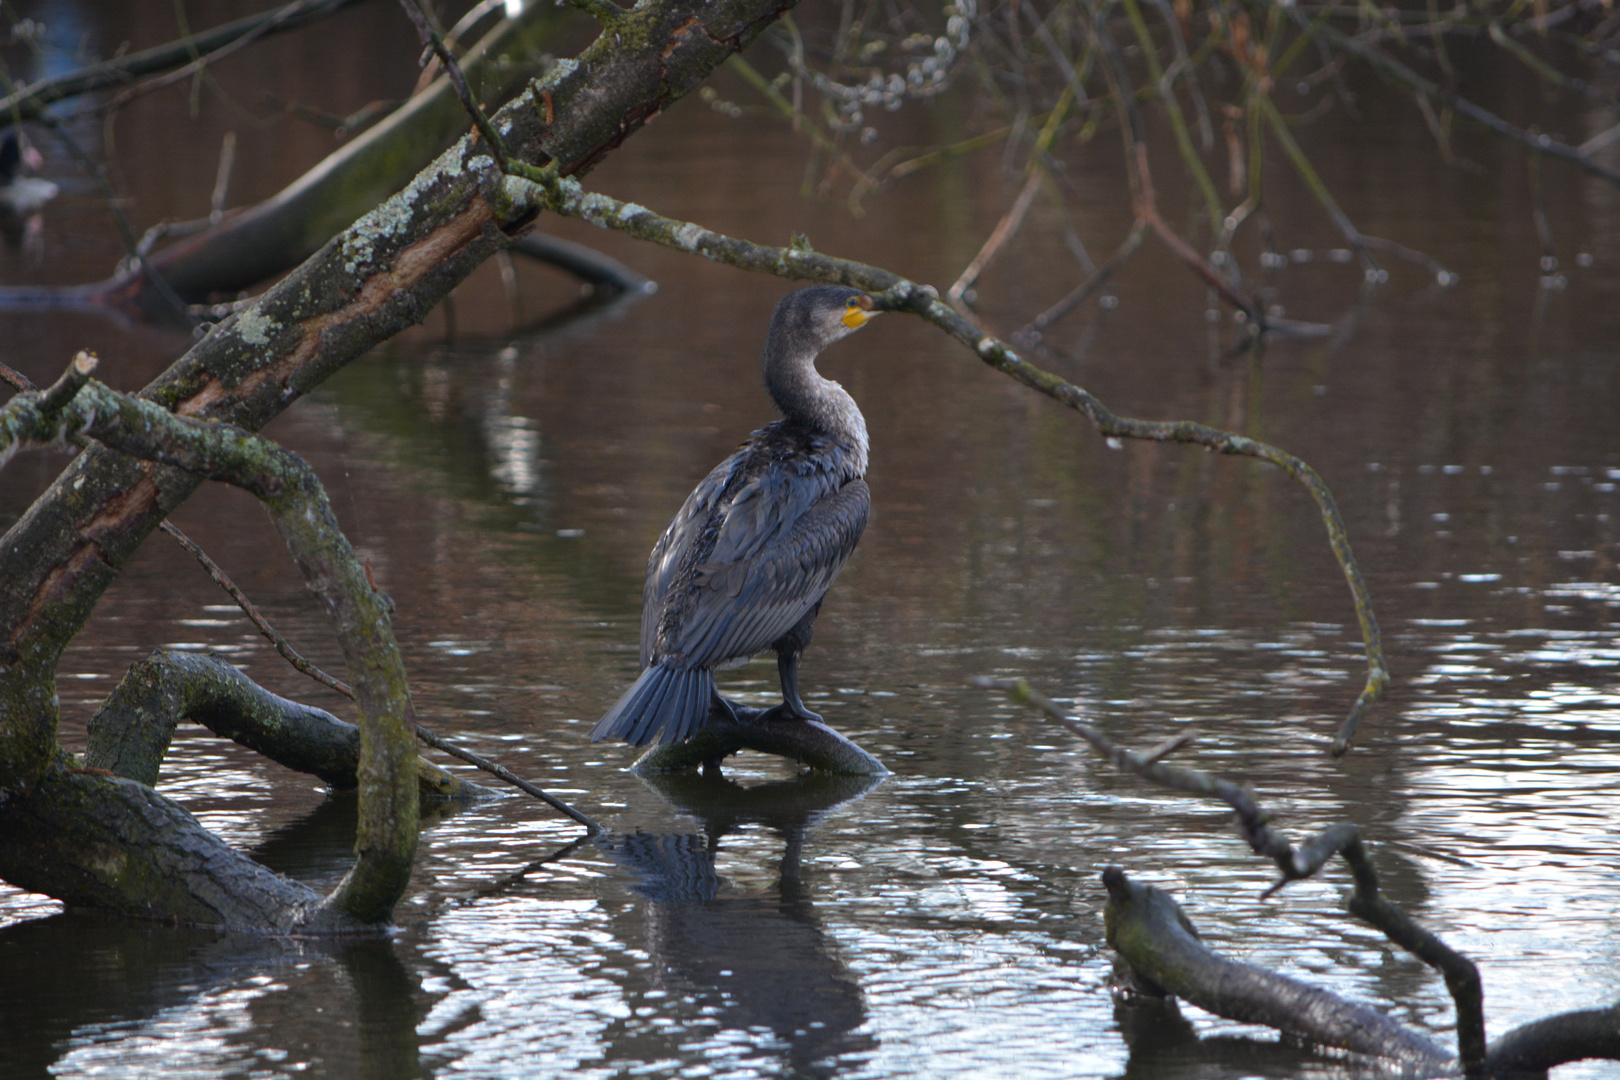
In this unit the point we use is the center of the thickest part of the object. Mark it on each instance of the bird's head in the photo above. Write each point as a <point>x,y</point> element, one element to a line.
<point>811,319</point>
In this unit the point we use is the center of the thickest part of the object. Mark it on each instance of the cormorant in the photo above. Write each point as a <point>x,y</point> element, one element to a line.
<point>744,565</point>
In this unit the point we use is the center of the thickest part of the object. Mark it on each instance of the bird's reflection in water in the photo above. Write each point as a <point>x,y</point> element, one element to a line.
<point>754,962</point>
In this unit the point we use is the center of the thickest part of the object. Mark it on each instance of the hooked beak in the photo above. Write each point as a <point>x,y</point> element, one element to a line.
<point>861,314</point>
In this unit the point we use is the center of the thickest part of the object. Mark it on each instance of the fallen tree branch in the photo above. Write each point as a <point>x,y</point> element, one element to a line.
<point>1254,825</point>
<point>1149,930</point>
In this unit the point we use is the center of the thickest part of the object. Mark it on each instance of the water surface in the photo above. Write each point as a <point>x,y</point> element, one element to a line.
<point>946,921</point>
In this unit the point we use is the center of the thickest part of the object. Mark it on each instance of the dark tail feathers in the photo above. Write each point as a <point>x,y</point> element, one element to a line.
<point>666,704</point>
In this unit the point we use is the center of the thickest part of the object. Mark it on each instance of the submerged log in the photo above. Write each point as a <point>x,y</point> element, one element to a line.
<point>1154,936</point>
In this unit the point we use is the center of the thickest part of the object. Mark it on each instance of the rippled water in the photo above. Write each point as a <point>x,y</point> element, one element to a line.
<point>947,920</point>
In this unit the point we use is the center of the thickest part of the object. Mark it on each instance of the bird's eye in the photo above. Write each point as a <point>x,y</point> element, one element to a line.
<point>853,302</point>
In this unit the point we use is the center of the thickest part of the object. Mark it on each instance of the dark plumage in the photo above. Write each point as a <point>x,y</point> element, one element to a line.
<point>744,565</point>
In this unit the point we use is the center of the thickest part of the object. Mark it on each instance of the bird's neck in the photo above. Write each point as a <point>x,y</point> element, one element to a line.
<point>819,404</point>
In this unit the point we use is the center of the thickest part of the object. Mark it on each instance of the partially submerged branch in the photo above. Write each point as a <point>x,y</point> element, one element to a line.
<point>1163,948</point>
<point>1149,930</point>
<point>805,741</point>
<point>296,502</point>
<point>130,732</point>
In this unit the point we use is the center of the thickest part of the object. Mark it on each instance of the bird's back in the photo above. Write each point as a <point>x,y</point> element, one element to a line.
<point>754,548</point>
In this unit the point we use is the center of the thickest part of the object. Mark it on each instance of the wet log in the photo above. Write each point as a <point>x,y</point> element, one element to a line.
<point>1533,1048</point>
<point>1153,935</point>
<point>154,859</point>
<point>130,733</point>
<point>805,741</point>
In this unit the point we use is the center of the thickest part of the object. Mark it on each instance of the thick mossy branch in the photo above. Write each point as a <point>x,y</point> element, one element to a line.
<point>130,733</point>
<point>297,504</point>
<point>805,741</point>
<point>1149,930</point>
<point>111,844</point>
<point>535,189</point>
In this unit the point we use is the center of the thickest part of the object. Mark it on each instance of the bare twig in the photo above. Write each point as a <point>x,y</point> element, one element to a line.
<point>296,660</point>
<point>274,636</point>
<point>434,42</point>
<point>15,379</point>
<point>292,14</point>
<point>1086,289</point>
<point>1014,217</point>
<point>506,774</point>
<point>28,102</point>
<point>222,179</point>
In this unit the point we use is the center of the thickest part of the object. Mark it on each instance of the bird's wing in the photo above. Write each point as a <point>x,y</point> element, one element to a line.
<point>776,555</point>
<point>683,540</point>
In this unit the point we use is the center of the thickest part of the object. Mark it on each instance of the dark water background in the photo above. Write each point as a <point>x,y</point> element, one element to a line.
<point>946,921</point>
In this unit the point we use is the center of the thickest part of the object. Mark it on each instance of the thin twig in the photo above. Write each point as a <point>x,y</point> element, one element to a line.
<point>14,378</point>
<point>435,44</point>
<point>1433,91</point>
<point>1010,222</point>
<point>30,101</point>
<point>1086,289</point>
<point>131,243</point>
<point>202,61</point>
<point>506,774</point>
<point>298,661</point>
<point>801,122</point>
<point>222,179</point>
<point>282,645</point>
